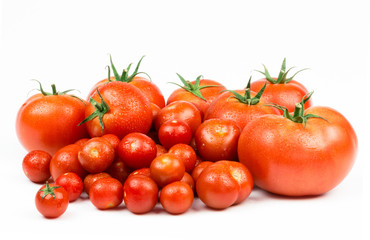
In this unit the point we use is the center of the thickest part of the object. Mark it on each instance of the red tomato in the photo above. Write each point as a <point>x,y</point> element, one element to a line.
<point>180,110</point>
<point>119,170</point>
<point>49,121</point>
<point>187,178</point>
<point>282,90</point>
<point>224,183</point>
<point>112,139</point>
<point>118,108</point>
<point>140,193</point>
<point>217,139</point>
<point>66,160</point>
<point>51,200</point>
<point>199,169</point>
<point>96,155</point>
<point>160,150</point>
<point>177,197</point>
<point>290,158</point>
<point>72,183</point>
<point>200,92</point>
<point>186,154</point>
<point>141,171</point>
<point>91,178</point>
<point>166,168</point>
<point>173,132</point>
<point>137,150</point>
<point>106,193</point>
<point>36,166</point>
<point>81,141</point>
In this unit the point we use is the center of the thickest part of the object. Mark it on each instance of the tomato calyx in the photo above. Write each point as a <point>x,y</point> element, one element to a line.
<point>247,98</point>
<point>54,89</point>
<point>48,190</point>
<point>125,77</point>
<point>100,109</point>
<point>193,88</point>
<point>282,78</point>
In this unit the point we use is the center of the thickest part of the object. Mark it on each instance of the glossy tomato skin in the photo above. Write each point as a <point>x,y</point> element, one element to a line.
<point>199,169</point>
<point>228,107</point>
<point>129,111</point>
<point>112,139</point>
<point>140,193</point>
<point>173,132</point>
<point>224,183</point>
<point>187,178</point>
<point>52,206</point>
<point>66,160</point>
<point>284,94</point>
<point>176,197</point>
<point>106,193</point>
<point>50,122</point>
<point>291,159</point>
<point>91,178</point>
<point>119,170</point>
<point>36,166</point>
<point>217,139</point>
<point>72,183</point>
<point>166,168</point>
<point>186,154</point>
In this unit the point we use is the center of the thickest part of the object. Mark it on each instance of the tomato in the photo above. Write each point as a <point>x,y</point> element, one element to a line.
<point>282,90</point>
<point>72,183</point>
<point>91,178</point>
<point>119,170</point>
<point>51,200</point>
<point>160,150</point>
<point>173,132</point>
<point>48,121</point>
<point>187,178</point>
<point>200,92</point>
<point>217,139</point>
<point>180,110</point>
<point>141,171</point>
<point>106,193</point>
<point>113,140</point>
<point>177,197</point>
<point>81,141</point>
<point>308,153</point>
<point>137,150</point>
<point>66,160</point>
<point>140,193</point>
<point>117,108</point>
<point>199,169</point>
<point>166,168</point>
<point>186,154</point>
<point>36,166</point>
<point>238,107</point>
<point>224,183</point>
<point>96,155</point>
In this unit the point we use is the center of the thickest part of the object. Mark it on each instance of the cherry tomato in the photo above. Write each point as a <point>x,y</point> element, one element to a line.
<point>186,154</point>
<point>199,169</point>
<point>173,132</point>
<point>81,141</point>
<point>119,170</point>
<point>51,200</point>
<point>176,197</point>
<point>112,139</point>
<point>106,193</point>
<point>160,150</point>
<point>140,193</point>
<point>72,183</point>
<point>187,178</point>
<point>91,178</point>
<point>36,166</point>
<point>141,171</point>
<point>166,168</point>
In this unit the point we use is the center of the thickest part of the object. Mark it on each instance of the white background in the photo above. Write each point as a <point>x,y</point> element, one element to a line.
<point>68,42</point>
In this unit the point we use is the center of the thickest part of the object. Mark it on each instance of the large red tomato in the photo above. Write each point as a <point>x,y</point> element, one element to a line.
<point>282,90</point>
<point>300,154</point>
<point>49,121</point>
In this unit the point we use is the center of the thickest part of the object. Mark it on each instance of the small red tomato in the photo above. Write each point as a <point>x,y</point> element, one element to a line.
<point>140,193</point>
<point>51,200</point>
<point>186,154</point>
<point>82,141</point>
<point>199,169</point>
<point>72,183</point>
<point>173,132</point>
<point>141,171</point>
<point>106,193</point>
<point>160,150</point>
<point>176,197</point>
<point>36,166</point>
<point>112,139</point>
<point>96,155</point>
<point>91,178</point>
<point>167,168</point>
<point>224,183</point>
<point>119,170</point>
<point>187,178</point>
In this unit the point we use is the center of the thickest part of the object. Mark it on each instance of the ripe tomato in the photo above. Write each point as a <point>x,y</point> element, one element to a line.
<point>180,110</point>
<point>140,193</point>
<point>137,150</point>
<point>160,150</point>
<point>187,178</point>
<point>166,168</point>
<point>66,160</point>
<point>96,155</point>
<point>173,132</point>
<point>51,200</point>
<point>200,92</point>
<point>299,155</point>
<point>72,183</point>
<point>224,183</point>
<point>217,139</point>
<point>119,170</point>
<point>106,193</point>
<point>113,140</point>
<point>176,197</point>
<point>81,141</point>
<point>199,169</point>
<point>117,108</point>
<point>91,178</point>
<point>36,166</point>
<point>48,121</point>
<point>186,154</point>
<point>141,171</point>
<point>282,90</point>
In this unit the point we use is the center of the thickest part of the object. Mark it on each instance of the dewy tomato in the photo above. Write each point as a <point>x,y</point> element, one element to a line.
<point>307,153</point>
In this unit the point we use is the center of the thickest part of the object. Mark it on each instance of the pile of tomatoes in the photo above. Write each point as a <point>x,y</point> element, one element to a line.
<point>126,143</point>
